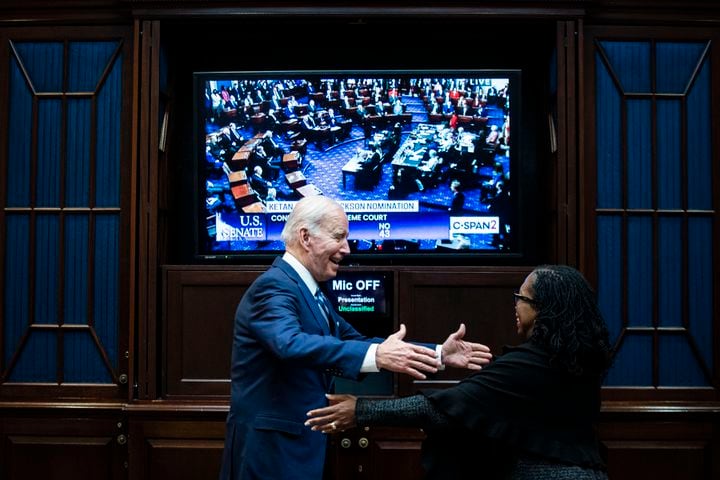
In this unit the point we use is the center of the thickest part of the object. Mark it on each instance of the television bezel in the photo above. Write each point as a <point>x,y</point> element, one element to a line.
<point>521,158</point>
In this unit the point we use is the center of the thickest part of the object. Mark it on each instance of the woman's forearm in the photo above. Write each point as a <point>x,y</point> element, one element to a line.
<point>414,411</point>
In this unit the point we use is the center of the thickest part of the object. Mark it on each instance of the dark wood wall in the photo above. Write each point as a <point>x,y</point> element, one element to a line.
<point>162,413</point>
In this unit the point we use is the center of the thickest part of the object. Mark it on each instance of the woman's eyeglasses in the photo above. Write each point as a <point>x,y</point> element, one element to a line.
<point>517,297</point>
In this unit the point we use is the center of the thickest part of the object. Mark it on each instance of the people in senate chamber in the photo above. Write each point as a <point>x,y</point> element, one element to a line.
<point>272,122</point>
<point>260,158</point>
<point>236,136</point>
<point>275,101</point>
<point>228,141</point>
<point>379,108</point>
<point>289,109</point>
<point>493,138</point>
<point>314,132</point>
<point>464,108</point>
<point>436,109</point>
<point>448,108</point>
<point>312,108</point>
<point>403,183</point>
<point>458,200</point>
<point>397,107</point>
<point>260,185</point>
<point>289,344</point>
<point>272,148</point>
<point>529,414</point>
<point>431,174</point>
<point>331,121</point>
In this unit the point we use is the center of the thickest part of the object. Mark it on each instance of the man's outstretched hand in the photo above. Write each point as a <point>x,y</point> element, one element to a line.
<point>399,356</point>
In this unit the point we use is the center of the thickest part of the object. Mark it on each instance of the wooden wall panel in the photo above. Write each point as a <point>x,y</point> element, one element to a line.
<point>184,459</point>
<point>35,456</point>
<point>395,454</point>
<point>657,460</point>
<point>648,446</point>
<point>200,305</point>
<point>62,446</point>
<point>175,448</point>
<point>433,303</point>
<point>199,313</point>
<point>376,453</point>
<point>185,440</point>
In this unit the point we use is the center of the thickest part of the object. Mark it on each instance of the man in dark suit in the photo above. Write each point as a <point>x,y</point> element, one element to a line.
<point>458,199</point>
<point>261,186</point>
<point>272,122</point>
<point>260,158</point>
<point>309,122</point>
<point>331,121</point>
<point>314,132</point>
<point>227,141</point>
<point>271,146</point>
<point>287,347</point>
<point>235,135</point>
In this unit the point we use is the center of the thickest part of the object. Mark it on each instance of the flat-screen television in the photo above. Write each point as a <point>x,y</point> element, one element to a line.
<point>423,161</point>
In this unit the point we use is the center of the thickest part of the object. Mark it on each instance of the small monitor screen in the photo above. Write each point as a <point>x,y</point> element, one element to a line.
<point>360,294</point>
<point>365,300</point>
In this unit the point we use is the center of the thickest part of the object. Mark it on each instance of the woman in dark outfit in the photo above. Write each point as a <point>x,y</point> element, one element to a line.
<point>530,413</point>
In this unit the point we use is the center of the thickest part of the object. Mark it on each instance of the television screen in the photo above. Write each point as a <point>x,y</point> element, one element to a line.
<point>422,161</point>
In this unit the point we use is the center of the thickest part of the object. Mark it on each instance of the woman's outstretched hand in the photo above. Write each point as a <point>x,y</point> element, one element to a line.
<point>338,416</point>
<point>459,353</point>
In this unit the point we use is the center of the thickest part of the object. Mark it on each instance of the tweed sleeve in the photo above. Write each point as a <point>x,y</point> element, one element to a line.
<point>413,411</point>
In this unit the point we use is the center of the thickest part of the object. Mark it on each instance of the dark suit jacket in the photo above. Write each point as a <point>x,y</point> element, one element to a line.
<point>259,184</point>
<point>283,362</point>
<point>518,404</point>
<point>458,202</point>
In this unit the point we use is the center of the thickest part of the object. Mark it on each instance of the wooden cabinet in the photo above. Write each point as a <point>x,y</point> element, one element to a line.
<point>375,453</point>
<point>175,442</point>
<point>63,442</point>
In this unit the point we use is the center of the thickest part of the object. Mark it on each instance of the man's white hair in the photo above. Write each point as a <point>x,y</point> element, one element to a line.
<point>309,212</point>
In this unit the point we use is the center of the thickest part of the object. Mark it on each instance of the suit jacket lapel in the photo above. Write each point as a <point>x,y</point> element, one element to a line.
<point>305,293</point>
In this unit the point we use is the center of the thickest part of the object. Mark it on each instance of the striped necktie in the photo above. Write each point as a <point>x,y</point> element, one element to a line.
<point>325,307</point>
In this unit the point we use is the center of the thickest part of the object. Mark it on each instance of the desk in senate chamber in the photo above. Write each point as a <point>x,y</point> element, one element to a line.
<point>430,153</point>
<point>456,154</point>
<point>365,166</point>
<point>354,165</point>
